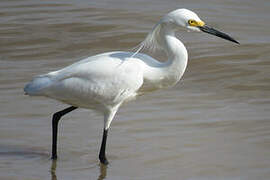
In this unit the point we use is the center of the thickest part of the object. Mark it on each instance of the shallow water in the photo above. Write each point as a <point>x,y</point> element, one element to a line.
<point>213,125</point>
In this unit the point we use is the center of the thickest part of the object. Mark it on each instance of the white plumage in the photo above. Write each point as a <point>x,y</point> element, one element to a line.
<point>103,82</point>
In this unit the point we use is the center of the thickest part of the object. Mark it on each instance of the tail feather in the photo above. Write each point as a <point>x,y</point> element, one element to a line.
<point>37,85</point>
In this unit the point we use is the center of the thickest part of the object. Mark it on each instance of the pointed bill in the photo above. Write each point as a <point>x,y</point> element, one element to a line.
<point>215,32</point>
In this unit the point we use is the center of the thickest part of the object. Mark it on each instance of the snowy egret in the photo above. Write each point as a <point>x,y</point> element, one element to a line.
<point>105,81</point>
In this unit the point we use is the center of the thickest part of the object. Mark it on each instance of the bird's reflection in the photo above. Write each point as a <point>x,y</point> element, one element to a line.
<point>53,169</point>
<point>102,171</point>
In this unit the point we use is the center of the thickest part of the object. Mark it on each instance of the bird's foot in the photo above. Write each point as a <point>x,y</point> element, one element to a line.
<point>104,160</point>
<point>54,157</point>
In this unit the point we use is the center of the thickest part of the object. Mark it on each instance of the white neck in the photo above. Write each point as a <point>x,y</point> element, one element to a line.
<point>169,72</point>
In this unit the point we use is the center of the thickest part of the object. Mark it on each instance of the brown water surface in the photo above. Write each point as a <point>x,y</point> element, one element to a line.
<point>213,125</point>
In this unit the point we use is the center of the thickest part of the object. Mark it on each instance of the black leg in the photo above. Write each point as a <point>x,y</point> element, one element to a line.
<point>56,117</point>
<point>102,152</point>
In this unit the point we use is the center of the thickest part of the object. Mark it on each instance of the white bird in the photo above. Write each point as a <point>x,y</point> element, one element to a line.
<point>105,81</point>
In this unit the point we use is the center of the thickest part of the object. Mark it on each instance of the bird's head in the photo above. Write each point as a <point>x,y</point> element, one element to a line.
<point>190,20</point>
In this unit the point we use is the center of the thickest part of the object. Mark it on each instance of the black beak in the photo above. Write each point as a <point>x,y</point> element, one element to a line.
<point>215,32</point>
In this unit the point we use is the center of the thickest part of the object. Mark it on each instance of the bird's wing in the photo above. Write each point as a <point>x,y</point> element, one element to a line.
<point>103,78</point>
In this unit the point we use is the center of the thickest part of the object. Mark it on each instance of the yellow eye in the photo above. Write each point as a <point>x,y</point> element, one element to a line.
<point>196,23</point>
<point>192,22</point>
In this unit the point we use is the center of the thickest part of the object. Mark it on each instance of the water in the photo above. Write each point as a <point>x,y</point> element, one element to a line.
<point>213,125</point>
